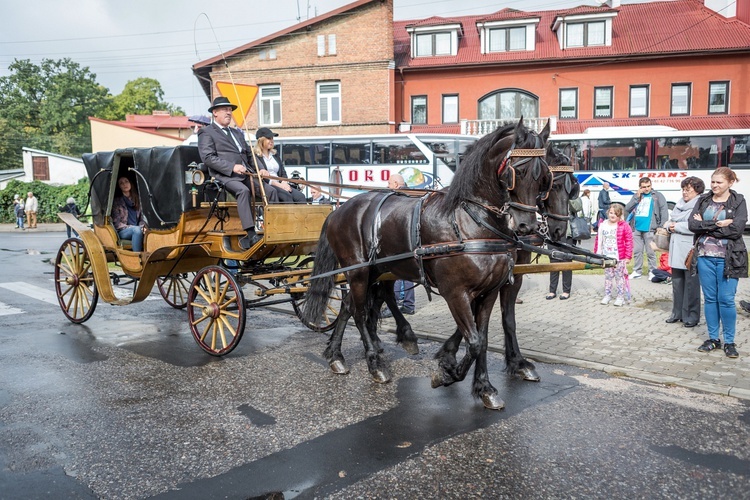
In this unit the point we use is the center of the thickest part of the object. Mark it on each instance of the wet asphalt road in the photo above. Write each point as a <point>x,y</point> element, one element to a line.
<point>127,406</point>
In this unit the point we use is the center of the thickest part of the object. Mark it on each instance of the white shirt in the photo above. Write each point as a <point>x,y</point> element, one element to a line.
<point>271,165</point>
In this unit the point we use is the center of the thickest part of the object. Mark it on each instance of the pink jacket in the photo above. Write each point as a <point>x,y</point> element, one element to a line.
<point>624,241</point>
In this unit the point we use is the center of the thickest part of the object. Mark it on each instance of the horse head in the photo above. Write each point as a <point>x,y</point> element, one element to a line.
<point>565,187</point>
<point>527,177</point>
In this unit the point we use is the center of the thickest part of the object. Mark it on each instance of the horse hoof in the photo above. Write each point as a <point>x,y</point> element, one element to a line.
<point>381,377</point>
<point>436,380</point>
<point>493,402</point>
<point>410,348</point>
<point>339,368</point>
<point>529,374</point>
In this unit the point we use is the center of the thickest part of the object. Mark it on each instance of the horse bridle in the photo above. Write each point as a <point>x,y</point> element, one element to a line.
<point>527,155</point>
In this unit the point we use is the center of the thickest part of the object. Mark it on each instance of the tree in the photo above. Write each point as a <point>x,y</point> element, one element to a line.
<point>141,96</point>
<point>47,106</point>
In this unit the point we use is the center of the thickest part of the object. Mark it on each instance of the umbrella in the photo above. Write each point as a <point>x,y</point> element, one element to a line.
<point>203,120</point>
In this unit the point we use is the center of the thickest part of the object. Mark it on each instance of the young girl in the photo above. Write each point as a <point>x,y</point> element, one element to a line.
<point>615,240</point>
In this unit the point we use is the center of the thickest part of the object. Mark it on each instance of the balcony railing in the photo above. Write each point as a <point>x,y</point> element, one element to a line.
<point>482,127</point>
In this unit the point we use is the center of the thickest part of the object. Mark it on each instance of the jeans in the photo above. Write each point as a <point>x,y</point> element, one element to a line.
<point>718,298</point>
<point>404,289</point>
<point>69,229</point>
<point>135,235</point>
<point>19,222</point>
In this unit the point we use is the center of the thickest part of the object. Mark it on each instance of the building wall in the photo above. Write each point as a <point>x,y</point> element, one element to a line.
<point>108,137</point>
<point>546,82</point>
<point>363,64</point>
<point>62,171</point>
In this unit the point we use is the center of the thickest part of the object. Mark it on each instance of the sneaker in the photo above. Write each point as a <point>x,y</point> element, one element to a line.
<point>709,345</point>
<point>406,310</point>
<point>606,300</point>
<point>635,276</point>
<point>731,351</point>
<point>651,276</point>
<point>619,301</point>
<point>745,305</point>
<point>386,313</point>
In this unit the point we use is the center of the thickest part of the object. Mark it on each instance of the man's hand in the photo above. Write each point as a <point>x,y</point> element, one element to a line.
<point>239,169</point>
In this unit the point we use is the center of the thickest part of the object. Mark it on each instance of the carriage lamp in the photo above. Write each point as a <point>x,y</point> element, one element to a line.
<point>295,176</point>
<point>194,175</point>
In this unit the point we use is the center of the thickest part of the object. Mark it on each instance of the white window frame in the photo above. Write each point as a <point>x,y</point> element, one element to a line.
<point>562,25</point>
<point>486,28</point>
<point>431,33</point>
<point>328,102</point>
<point>269,100</point>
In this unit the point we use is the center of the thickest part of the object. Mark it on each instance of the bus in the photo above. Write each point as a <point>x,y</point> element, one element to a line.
<point>623,155</point>
<point>424,160</point>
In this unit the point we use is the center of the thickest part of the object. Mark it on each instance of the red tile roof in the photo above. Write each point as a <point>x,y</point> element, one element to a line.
<point>157,122</point>
<point>713,122</point>
<point>145,130</point>
<point>638,29</point>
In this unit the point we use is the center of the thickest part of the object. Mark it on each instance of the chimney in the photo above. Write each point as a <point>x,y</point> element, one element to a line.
<point>725,8</point>
<point>613,3</point>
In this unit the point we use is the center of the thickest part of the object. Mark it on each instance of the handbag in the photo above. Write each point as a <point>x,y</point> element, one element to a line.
<point>661,238</point>
<point>691,260</point>
<point>579,228</point>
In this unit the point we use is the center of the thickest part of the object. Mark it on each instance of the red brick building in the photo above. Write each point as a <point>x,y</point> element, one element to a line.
<point>354,70</point>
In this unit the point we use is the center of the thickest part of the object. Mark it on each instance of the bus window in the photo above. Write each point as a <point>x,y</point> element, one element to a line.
<point>351,153</point>
<point>449,152</point>
<point>687,152</point>
<point>736,149</point>
<point>306,154</point>
<point>397,151</point>
<point>617,154</point>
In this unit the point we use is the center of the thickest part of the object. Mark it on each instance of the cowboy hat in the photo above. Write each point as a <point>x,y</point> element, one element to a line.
<point>220,102</point>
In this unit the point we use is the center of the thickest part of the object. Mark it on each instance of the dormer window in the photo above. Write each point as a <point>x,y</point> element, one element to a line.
<point>429,41</point>
<point>584,30</point>
<point>506,36</point>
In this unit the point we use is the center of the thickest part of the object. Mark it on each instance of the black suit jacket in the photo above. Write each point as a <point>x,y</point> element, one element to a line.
<point>220,154</point>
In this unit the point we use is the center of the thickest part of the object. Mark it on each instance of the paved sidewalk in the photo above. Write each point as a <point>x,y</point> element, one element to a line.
<point>41,228</point>
<point>632,340</point>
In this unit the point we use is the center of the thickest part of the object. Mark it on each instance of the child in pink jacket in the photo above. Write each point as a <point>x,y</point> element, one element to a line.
<point>615,240</point>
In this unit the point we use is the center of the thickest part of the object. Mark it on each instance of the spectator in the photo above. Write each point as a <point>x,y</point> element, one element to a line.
<point>126,214</point>
<point>686,290</point>
<point>19,211</point>
<point>651,211</point>
<point>615,240</point>
<point>587,206</point>
<point>71,208</point>
<point>31,207</point>
<point>404,290</point>
<point>316,197</point>
<point>575,208</point>
<point>718,220</point>
<point>603,203</point>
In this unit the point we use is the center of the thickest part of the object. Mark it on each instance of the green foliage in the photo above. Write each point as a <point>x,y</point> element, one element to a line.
<point>141,96</point>
<point>50,198</point>
<point>46,107</point>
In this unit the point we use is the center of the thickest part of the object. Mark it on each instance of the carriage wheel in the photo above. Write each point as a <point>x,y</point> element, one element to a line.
<point>74,281</point>
<point>174,289</point>
<point>331,313</point>
<point>216,310</point>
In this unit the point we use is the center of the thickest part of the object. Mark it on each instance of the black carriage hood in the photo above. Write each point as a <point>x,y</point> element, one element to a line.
<point>160,175</point>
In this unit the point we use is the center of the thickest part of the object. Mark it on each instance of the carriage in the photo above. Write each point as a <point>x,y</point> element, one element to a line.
<point>191,250</point>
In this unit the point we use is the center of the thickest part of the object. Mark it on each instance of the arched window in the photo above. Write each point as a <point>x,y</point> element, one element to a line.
<point>508,103</point>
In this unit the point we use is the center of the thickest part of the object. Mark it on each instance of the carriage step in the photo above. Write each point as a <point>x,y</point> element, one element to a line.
<point>226,233</point>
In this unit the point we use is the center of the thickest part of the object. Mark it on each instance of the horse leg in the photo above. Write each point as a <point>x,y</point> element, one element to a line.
<point>361,302</point>
<point>404,334</point>
<point>446,357</point>
<point>515,363</point>
<point>449,370</point>
<point>333,351</point>
<point>481,386</point>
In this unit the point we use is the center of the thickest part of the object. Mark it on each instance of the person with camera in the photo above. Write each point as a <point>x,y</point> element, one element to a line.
<point>268,159</point>
<point>650,211</point>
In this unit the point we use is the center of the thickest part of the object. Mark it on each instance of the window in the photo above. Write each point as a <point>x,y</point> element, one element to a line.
<point>270,105</point>
<point>322,39</point>
<point>504,39</point>
<point>603,102</point>
<point>267,54</point>
<point>419,109</point>
<point>511,103</point>
<point>680,99</point>
<point>568,103</point>
<point>718,98</point>
<point>450,108</point>
<point>40,167</point>
<point>585,34</point>
<point>434,44</point>
<point>639,100</point>
<point>329,103</point>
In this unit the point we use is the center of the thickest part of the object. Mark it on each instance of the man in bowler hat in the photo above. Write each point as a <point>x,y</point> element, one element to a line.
<point>225,152</point>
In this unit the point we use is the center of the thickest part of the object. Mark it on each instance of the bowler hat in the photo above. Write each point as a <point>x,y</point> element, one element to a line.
<point>265,132</point>
<point>221,101</point>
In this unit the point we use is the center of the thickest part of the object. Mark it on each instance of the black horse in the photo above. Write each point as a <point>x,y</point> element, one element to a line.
<point>555,215</point>
<point>456,241</point>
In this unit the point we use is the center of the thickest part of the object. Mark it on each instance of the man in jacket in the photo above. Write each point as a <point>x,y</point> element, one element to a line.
<point>31,207</point>
<point>225,152</point>
<point>603,202</point>
<point>650,211</point>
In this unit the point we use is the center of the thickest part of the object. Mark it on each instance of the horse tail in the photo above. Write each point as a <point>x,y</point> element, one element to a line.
<point>320,289</point>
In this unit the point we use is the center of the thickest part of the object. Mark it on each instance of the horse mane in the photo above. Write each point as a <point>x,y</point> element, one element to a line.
<point>473,175</point>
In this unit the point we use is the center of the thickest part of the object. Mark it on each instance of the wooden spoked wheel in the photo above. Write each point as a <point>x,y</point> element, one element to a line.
<point>74,281</point>
<point>216,310</point>
<point>331,313</point>
<point>174,289</point>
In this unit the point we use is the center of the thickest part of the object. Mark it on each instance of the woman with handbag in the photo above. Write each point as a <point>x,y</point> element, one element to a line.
<point>686,293</point>
<point>718,220</point>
